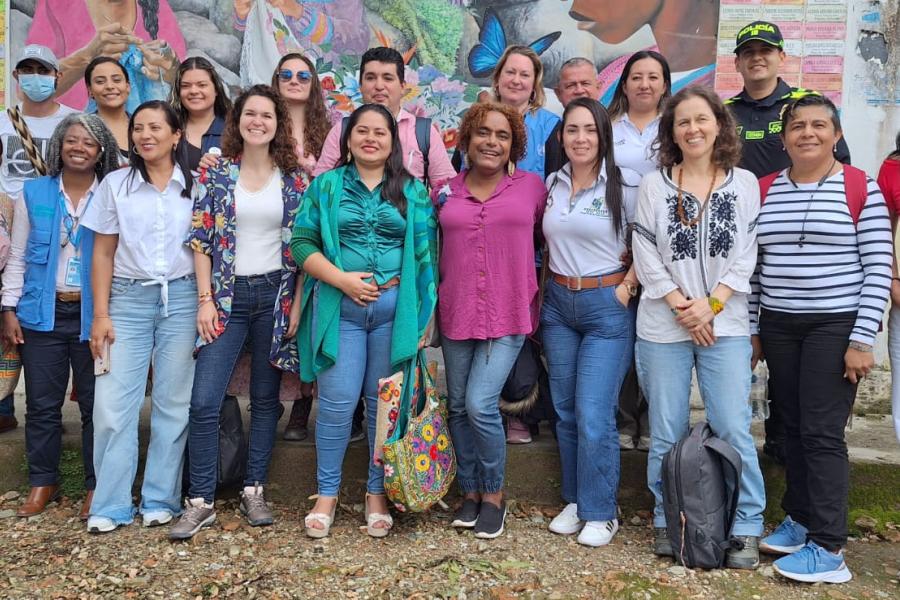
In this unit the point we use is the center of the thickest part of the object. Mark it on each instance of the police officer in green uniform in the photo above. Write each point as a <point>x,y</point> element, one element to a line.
<point>759,53</point>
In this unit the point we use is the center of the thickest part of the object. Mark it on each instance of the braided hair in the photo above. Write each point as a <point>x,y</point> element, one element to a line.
<point>150,14</point>
<point>107,160</point>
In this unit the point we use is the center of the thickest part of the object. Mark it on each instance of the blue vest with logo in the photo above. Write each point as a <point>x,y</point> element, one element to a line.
<point>37,306</point>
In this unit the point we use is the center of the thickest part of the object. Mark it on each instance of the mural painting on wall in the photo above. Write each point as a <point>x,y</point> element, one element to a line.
<point>451,46</point>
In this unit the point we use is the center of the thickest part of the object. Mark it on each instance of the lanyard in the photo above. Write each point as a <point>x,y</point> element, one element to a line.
<point>70,221</point>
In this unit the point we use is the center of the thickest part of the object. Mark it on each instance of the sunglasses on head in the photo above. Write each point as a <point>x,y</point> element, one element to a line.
<point>287,75</point>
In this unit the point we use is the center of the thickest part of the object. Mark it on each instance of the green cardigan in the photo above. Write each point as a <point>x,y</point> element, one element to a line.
<point>417,293</point>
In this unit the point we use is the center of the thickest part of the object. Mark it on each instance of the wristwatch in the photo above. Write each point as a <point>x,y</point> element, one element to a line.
<point>7,308</point>
<point>631,287</point>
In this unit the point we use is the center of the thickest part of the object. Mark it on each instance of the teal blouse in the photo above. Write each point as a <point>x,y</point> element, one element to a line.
<point>371,230</point>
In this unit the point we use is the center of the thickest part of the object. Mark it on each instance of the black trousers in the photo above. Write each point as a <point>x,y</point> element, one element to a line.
<point>47,357</point>
<point>805,356</point>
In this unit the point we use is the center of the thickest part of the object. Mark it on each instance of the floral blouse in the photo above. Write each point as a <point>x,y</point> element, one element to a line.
<point>213,233</point>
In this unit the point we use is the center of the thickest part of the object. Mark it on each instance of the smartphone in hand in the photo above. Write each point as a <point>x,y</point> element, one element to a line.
<point>101,363</point>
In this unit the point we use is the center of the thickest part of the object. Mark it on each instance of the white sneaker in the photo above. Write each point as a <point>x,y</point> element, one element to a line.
<point>643,443</point>
<point>152,518</point>
<point>598,533</point>
<point>626,442</point>
<point>567,522</point>
<point>97,524</point>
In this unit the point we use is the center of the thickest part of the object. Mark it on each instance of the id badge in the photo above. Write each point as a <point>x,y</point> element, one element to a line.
<point>73,272</point>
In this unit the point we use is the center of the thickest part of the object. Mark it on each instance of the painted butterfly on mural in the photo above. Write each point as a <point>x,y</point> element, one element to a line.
<point>483,58</point>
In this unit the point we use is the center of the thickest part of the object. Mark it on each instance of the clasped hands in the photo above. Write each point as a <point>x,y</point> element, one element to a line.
<point>696,316</point>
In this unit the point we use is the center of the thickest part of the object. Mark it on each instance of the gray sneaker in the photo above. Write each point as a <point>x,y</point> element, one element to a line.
<point>254,506</point>
<point>662,545</point>
<point>197,515</point>
<point>745,558</point>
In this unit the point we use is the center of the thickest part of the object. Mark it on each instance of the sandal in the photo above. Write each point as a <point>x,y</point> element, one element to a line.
<point>373,518</point>
<point>323,519</point>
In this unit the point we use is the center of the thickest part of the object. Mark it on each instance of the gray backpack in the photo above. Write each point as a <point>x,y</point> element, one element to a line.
<point>701,477</point>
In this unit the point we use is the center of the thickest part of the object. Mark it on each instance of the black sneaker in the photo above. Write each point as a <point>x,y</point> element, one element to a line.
<point>490,520</point>
<point>467,514</point>
<point>662,545</point>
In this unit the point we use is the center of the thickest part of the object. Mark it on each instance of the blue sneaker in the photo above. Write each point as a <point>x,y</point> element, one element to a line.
<point>789,537</point>
<point>814,564</point>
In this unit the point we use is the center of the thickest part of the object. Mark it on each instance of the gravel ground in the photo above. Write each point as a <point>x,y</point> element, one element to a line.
<point>51,556</point>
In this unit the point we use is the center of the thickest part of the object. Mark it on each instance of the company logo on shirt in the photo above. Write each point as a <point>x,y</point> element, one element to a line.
<point>755,135</point>
<point>15,160</point>
<point>597,208</point>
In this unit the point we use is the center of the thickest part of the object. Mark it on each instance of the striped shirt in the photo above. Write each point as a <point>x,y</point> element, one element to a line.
<point>812,259</point>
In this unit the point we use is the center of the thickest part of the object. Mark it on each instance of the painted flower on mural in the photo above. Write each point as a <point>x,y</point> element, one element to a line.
<point>447,91</point>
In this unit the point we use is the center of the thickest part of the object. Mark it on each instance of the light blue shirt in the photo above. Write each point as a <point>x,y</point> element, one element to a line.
<point>538,125</point>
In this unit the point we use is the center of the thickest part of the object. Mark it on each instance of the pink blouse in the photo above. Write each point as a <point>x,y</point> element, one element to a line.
<point>488,286</point>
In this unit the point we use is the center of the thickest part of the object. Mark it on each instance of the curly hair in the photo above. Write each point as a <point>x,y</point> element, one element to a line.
<point>317,125</point>
<point>475,118</point>
<point>281,148</point>
<point>538,99</point>
<point>222,104</point>
<point>727,147</point>
<point>107,160</point>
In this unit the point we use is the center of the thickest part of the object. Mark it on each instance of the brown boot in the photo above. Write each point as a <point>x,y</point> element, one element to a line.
<point>37,501</point>
<point>86,505</point>
<point>8,423</point>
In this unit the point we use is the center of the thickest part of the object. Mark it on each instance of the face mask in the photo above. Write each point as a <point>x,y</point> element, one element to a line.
<point>37,87</point>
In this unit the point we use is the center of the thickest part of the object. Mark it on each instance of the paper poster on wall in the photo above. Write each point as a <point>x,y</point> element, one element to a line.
<point>814,33</point>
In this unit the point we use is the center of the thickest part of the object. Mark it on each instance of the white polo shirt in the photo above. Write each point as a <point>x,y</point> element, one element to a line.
<point>633,149</point>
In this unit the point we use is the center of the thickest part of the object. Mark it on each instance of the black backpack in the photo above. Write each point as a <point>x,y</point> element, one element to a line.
<point>701,477</point>
<point>423,140</point>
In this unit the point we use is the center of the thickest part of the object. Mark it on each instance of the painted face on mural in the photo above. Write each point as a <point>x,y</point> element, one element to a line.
<point>198,94</point>
<point>758,62</point>
<point>370,140</point>
<point>695,128</point>
<point>644,85</point>
<point>613,21</point>
<point>577,81</point>
<point>109,88</point>
<point>516,81</point>
<point>381,84</point>
<point>294,89</point>
<point>258,122</point>
<point>490,143</point>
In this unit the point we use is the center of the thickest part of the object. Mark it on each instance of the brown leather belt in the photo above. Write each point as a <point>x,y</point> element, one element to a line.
<point>68,296</point>
<point>390,283</point>
<point>575,284</point>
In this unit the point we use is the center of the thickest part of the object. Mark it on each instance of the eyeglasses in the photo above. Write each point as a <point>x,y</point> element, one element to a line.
<point>287,75</point>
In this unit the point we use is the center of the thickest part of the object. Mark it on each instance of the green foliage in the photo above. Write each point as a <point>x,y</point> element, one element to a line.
<point>434,25</point>
<point>71,473</point>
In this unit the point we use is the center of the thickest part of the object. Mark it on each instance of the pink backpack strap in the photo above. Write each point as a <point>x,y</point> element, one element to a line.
<point>765,182</point>
<point>856,188</point>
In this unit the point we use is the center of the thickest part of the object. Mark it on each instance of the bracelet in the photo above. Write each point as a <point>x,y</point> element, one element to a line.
<point>203,301</point>
<point>203,295</point>
<point>101,317</point>
<point>716,305</point>
<point>859,346</point>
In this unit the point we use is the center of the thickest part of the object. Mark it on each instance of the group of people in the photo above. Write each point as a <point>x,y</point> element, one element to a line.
<point>334,255</point>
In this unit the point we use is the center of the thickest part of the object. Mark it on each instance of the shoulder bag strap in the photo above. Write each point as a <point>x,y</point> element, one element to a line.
<point>31,151</point>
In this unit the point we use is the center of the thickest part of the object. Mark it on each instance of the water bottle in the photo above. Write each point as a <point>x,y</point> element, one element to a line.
<point>759,397</point>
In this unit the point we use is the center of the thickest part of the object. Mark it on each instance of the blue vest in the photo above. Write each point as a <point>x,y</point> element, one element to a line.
<point>36,308</point>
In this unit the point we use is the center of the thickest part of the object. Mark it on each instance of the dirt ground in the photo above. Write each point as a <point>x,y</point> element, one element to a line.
<point>51,556</point>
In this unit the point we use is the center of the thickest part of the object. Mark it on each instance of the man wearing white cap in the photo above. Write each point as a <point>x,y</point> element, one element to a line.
<point>26,129</point>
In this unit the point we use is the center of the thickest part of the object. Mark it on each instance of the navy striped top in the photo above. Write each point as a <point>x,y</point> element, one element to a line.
<point>812,259</point>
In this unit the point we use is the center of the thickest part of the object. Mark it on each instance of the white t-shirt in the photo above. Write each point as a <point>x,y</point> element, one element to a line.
<point>634,149</point>
<point>579,231</point>
<point>16,168</point>
<point>257,232</point>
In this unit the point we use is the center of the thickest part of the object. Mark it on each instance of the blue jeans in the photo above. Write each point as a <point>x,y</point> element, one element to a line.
<point>588,342</point>
<point>7,406</point>
<point>476,371</point>
<point>364,357</point>
<point>723,372</point>
<point>144,334</point>
<point>252,316</point>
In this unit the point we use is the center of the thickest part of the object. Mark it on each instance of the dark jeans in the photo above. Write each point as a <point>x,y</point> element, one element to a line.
<point>47,357</point>
<point>7,407</point>
<point>252,316</point>
<point>805,356</point>
<point>633,416</point>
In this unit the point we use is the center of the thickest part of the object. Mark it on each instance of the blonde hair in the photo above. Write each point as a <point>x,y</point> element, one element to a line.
<point>538,99</point>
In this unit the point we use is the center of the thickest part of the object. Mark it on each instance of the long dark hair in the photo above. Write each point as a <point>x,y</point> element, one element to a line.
<point>179,155</point>
<point>222,104</point>
<point>896,152</point>
<point>89,70</point>
<point>281,148</point>
<point>619,104</point>
<point>150,15</point>
<point>395,175</point>
<point>604,153</point>
<point>317,125</point>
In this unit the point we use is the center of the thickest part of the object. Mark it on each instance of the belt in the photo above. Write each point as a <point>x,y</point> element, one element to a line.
<point>589,283</point>
<point>393,281</point>
<point>68,296</point>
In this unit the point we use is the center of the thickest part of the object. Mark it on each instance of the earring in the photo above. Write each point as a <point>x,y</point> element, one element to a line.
<point>835,149</point>
<point>511,168</point>
<point>349,156</point>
